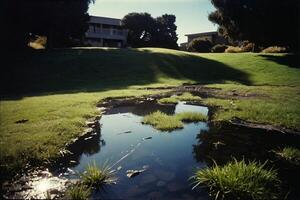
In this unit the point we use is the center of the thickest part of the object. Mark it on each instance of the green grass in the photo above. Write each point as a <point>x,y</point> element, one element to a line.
<point>78,192</point>
<point>191,117</point>
<point>186,96</point>
<point>164,122</point>
<point>278,106</point>
<point>58,90</point>
<point>96,176</point>
<point>290,154</point>
<point>239,180</point>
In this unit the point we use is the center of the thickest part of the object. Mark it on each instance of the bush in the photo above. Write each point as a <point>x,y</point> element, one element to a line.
<point>275,49</point>
<point>232,49</point>
<point>39,42</point>
<point>219,48</point>
<point>248,47</point>
<point>239,180</point>
<point>200,45</point>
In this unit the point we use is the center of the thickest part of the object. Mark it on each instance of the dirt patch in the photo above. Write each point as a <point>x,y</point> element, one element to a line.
<point>240,122</point>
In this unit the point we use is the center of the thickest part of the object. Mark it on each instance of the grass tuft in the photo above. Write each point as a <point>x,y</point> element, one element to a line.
<point>290,154</point>
<point>96,176</point>
<point>164,122</point>
<point>186,96</point>
<point>78,191</point>
<point>191,117</point>
<point>239,180</point>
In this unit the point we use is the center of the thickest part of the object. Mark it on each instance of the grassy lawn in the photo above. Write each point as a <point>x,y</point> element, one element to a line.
<point>56,91</point>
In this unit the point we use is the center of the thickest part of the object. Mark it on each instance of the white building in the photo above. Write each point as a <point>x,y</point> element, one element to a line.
<point>105,32</point>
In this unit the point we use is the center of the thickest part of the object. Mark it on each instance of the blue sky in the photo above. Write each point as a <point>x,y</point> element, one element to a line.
<point>191,15</point>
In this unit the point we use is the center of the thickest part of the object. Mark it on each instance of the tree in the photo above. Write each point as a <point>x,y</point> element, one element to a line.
<point>60,20</point>
<point>144,30</point>
<point>264,22</point>
<point>167,36</point>
<point>141,28</point>
<point>200,45</point>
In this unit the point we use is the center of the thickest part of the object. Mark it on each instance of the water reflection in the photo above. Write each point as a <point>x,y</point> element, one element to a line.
<point>167,155</point>
<point>224,141</point>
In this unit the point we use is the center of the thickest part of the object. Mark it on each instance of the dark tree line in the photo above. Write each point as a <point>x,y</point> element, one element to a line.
<point>146,31</point>
<point>264,22</point>
<point>62,21</point>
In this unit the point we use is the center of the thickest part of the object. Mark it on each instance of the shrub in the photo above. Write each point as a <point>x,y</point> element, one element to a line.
<point>78,191</point>
<point>200,45</point>
<point>239,180</point>
<point>96,176</point>
<point>219,48</point>
<point>290,154</point>
<point>275,49</point>
<point>248,47</point>
<point>232,49</point>
<point>39,42</point>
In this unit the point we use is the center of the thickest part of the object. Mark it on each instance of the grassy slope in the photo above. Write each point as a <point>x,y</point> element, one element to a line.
<point>56,91</point>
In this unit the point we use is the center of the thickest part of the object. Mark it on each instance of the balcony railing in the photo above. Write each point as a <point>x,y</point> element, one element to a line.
<point>105,32</point>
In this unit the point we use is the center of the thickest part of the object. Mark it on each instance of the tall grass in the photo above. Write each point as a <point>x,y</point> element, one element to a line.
<point>164,122</point>
<point>290,154</point>
<point>78,192</point>
<point>96,176</point>
<point>239,180</point>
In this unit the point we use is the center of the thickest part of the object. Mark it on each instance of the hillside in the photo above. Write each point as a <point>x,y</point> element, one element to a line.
<point>56,91</point>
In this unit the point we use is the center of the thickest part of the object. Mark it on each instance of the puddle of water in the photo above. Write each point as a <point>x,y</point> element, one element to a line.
<point>168,158</point>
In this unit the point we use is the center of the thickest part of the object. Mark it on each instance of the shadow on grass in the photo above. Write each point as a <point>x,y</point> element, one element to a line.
<point>291,60</point>
<point>89,70</point>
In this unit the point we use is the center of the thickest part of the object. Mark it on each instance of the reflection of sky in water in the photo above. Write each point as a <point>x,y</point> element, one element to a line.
<point>171,152</point>
<point>182,107</point>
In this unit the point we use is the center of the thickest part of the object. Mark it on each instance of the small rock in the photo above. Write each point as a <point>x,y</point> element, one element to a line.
<point>71,171</point>
<point>21,121</point>
<point>147,138</point>
<point>133,173</point>
<point>88,138</point>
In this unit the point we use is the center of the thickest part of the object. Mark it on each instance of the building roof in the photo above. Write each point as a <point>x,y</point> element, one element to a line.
<point>202,34</point>
<point>105,20</point>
